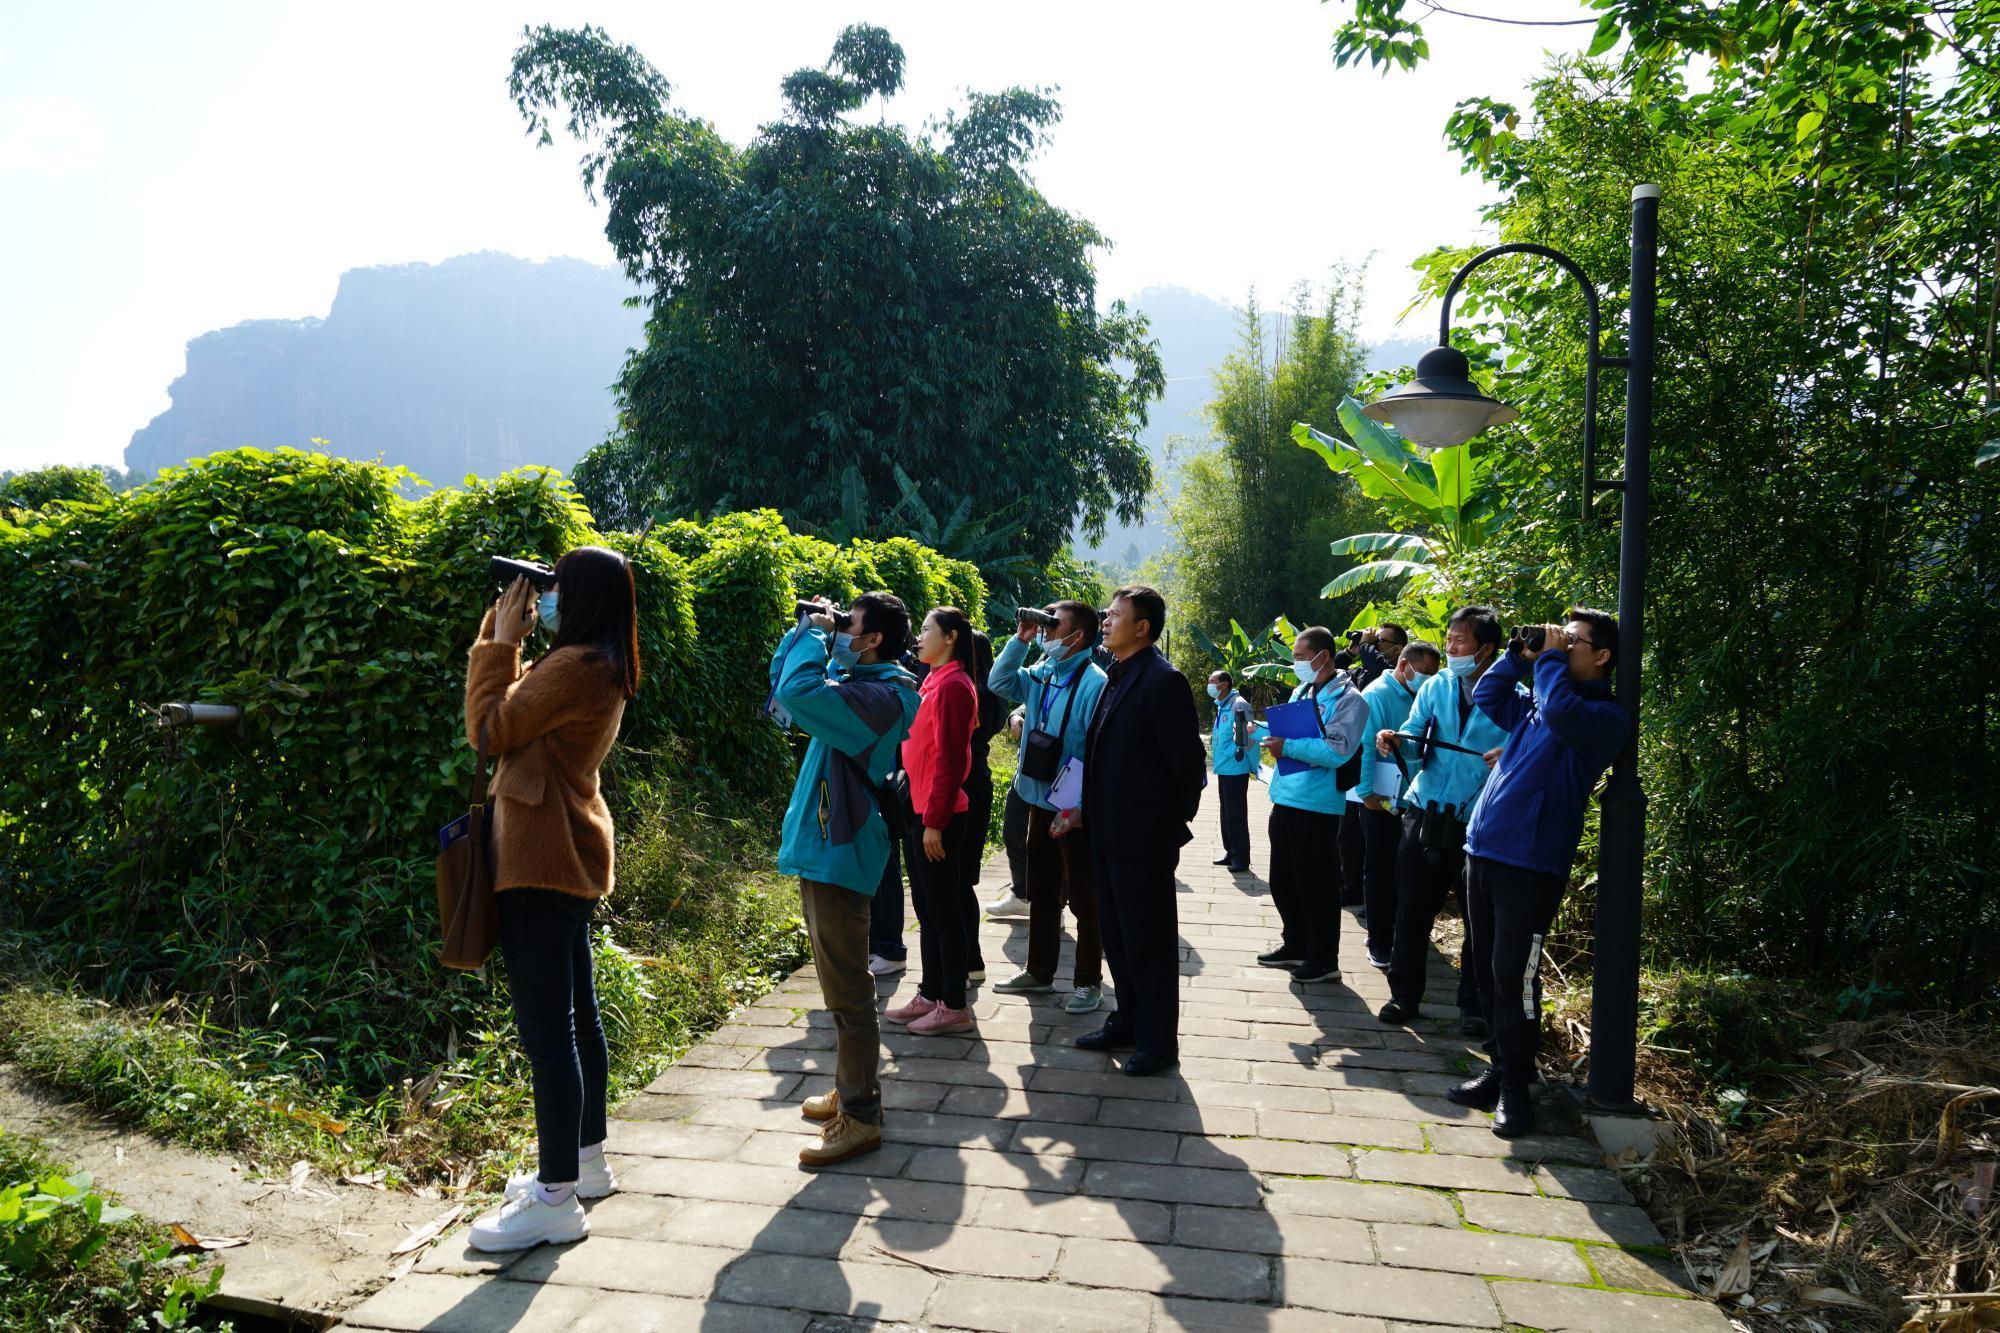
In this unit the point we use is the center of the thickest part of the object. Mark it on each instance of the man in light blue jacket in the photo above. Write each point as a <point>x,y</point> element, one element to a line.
<point>1306,808</point>
<point>835,840</point>
<point>1060,693</point>
<point>1445,787</point>
<point>1390,698</point>
<point>1234,756</point>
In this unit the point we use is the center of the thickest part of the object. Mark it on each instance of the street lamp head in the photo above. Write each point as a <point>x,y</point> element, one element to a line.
<point>1441,407</point>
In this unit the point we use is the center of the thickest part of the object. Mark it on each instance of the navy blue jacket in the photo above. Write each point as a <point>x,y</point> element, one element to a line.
<point>1562,735</point>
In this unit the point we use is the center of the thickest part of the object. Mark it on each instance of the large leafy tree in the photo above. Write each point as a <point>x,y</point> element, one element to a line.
<point>1823,674</point>
<point>840,303</point>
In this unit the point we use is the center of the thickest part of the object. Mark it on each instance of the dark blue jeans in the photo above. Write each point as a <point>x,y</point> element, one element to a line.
<point>885,910</point>
<point>545,939</point>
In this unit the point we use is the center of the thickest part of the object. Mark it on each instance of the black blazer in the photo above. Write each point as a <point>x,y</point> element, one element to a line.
<point>1143,764</point>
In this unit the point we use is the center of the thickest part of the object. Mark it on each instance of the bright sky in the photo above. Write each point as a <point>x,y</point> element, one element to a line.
<point>167,170</point>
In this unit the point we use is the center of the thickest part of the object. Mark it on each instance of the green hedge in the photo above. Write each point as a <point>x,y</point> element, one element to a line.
<point>232,865</point>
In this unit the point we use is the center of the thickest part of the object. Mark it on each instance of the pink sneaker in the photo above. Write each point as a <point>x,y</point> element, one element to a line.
<point>911,1012</point>
<point>941,1020</point>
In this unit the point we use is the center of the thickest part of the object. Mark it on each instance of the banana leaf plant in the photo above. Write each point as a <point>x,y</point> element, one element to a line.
<point>1443,500</point>
<point>1262,660</point>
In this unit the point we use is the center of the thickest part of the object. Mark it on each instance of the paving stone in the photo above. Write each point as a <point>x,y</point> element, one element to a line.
<point>1619,1224</point>
<point>1338,1056</point>
<point>1380,1105</point>
<point>965,1250</point>
<point>1363,1202</point>
<point>1580,1310</point>
<point>731,1182</point>
<point>1478,1252</point>
<point>780,1148</point>
<point>1172,1184</point>
<point>1340,1129</point>
<point>1259,1232</point>
<point>1097,1142</point>
<point>1260,1096</point>
<point>1442,1172</point>
<point>1075,1215</point>
<point>874,1196</point>
<point>1390,1293</point>
<point>639,1138</point>
<point>1292,1159</point>
<point>725,1083</point>
<point>1591,1184</point>
<point>1217,1317</point>
<point>450,1304</point>
<point>1163,1088</point>
<point>830,1286</point>
<point>735,1226</point>
<point>1638,1272</point>
<point>1312,1076</point>
<point>631,1312</point>
<point>721,1057</point>
<point>898,1094</point>
<point>455,1255</point>
<point>1467,1140</point>
<point>1178,1117</point>
<point>1000,1170</point>
<point>1016,1307</point>
<point>1167,1270</point>
<point>613,1263</point>
<point>1016,1104</point>
<point>660,1106</point>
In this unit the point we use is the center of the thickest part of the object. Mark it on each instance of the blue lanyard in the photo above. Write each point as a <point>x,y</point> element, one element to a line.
<point>1050,696</point>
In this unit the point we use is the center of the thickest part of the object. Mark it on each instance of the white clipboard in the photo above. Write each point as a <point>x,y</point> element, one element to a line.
<point>1066,792</point>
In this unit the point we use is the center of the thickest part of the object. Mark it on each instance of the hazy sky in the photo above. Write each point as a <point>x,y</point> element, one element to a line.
<point>167,170</point>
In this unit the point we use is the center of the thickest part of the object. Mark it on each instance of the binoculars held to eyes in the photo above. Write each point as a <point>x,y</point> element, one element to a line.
<point>1534,638</point>
<point>1034,615</point>
<point>842,620</point>
<point>504,571</point>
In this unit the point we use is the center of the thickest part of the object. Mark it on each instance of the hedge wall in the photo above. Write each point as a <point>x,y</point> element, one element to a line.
<point>338,614</point>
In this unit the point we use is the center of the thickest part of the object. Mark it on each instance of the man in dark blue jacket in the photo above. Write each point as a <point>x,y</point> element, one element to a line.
<point>1561,736</point>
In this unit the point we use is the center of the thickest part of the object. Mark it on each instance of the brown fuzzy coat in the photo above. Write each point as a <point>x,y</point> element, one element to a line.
<point>549,728</point>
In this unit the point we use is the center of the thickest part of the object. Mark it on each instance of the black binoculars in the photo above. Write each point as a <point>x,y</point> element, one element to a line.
<point>1034,615</point>
<point>1532,638</point>
<point>504,571</point>
<point>1353,636</point>
<point>841,619</point>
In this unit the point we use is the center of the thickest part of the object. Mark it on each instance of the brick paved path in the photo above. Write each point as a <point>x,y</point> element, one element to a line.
<point>1303,1171</point>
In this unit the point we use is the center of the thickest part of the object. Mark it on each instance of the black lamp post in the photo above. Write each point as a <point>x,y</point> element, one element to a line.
<point>1442,407</point>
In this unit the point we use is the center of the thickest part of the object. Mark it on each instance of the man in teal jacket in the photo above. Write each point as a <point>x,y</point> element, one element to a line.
<point>1390,698</point>
<point>1306,807</point>
<point>857,715</point>
<point>1060,693</point>
<point>1233,754</point>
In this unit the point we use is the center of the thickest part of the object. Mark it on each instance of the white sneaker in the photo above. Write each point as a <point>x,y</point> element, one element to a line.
<point>878,966</point>
<point>524,1222</point>
<point>594,1180</point>
<point>1008,907</point>
<point>1083,999</point>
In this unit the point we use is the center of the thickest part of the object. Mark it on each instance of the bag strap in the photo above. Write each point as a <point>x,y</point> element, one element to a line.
<point>479,772</point>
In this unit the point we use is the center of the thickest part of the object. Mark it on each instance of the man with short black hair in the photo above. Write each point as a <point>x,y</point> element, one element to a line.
<point>1563,732</point>
<point>1232,751</point>
<point>1142,778</point>
<point>835,840</point>
<point>1389,698</point>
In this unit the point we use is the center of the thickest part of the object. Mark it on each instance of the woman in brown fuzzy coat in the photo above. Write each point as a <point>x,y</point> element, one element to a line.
<point>550,726</point>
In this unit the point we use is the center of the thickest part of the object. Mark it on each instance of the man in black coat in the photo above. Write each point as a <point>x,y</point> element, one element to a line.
<point>1143,771</point>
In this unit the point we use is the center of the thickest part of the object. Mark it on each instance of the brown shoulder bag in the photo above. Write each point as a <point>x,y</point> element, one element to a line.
<point>466,906</point>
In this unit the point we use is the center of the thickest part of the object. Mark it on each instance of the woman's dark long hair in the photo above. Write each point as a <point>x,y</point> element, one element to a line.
<point>598,610</point>
<point>965,649</point>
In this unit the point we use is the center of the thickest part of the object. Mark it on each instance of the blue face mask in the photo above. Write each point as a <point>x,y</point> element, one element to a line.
<point>843,653</point>
<point>1215,691</point>
<point>545,607</point>
<point>1461,666</point>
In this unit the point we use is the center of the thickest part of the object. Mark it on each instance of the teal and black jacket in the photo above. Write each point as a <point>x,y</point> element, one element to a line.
<point>833,830</point>
<point>1051,691</point>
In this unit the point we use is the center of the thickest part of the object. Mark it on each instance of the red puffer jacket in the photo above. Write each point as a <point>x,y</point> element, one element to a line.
<point>938,753</point>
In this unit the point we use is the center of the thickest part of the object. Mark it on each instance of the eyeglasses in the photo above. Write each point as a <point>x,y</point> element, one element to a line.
<point>1575,639</point>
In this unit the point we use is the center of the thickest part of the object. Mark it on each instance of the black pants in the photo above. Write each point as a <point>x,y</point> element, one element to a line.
<point>1424,879</point>
<point>1352,853</point>
<point>885,910</point>
<point>545,939</point>
<point>1305,883</point>
<point>979,827</point>
<point>1381,839</point>
<point>1140,918</point>
<point>1508,913</point>
<point>1234,789</point>
<point>935,891</point>
<point>1014,835</point>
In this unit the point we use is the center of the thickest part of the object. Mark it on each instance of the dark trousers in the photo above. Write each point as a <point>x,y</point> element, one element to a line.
<point>1352,854</point>
<point>1014,836</point>
<point>1060,869</point>
<point>1234,790</point>
<point>885,910</point>
<point>1381,840</point>
<point>1305,882</point>
<point>937,891</point>
<point>979,827</point>
<point>1142,944</point>
<point>545,940</point>
<point>1508,913</point>
<point>1424,879</point>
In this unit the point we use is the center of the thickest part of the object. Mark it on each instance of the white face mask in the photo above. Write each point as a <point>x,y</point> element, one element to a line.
<point>1215,691</point>
<point>1306,671</point>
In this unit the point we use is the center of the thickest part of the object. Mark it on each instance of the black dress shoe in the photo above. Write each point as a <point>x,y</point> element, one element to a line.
<point>1516,1115</point>
<point>1220,861</point>
<point>1239,870</point>
<point>1471,1025</point>
<point>1281,957</point>
<point>1482,1093</point>
<point>1106,1038</point>
<point>1315,972</point>
<point>1396,1013</point>
<point>1140,1064</point>
<point>1378,961</point>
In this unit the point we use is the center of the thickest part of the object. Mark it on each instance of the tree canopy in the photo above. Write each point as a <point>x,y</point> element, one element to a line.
<point>841,298</point>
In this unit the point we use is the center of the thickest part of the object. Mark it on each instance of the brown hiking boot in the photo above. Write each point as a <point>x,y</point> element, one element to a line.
<point>823,1107</point>
<point>844,1137</point>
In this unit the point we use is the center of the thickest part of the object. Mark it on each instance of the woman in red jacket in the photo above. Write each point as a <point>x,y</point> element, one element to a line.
<point>938,756</point>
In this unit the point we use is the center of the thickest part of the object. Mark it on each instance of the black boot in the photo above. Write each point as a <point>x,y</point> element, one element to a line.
<point>1481,1094</point>
<point>1516,1115</point>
